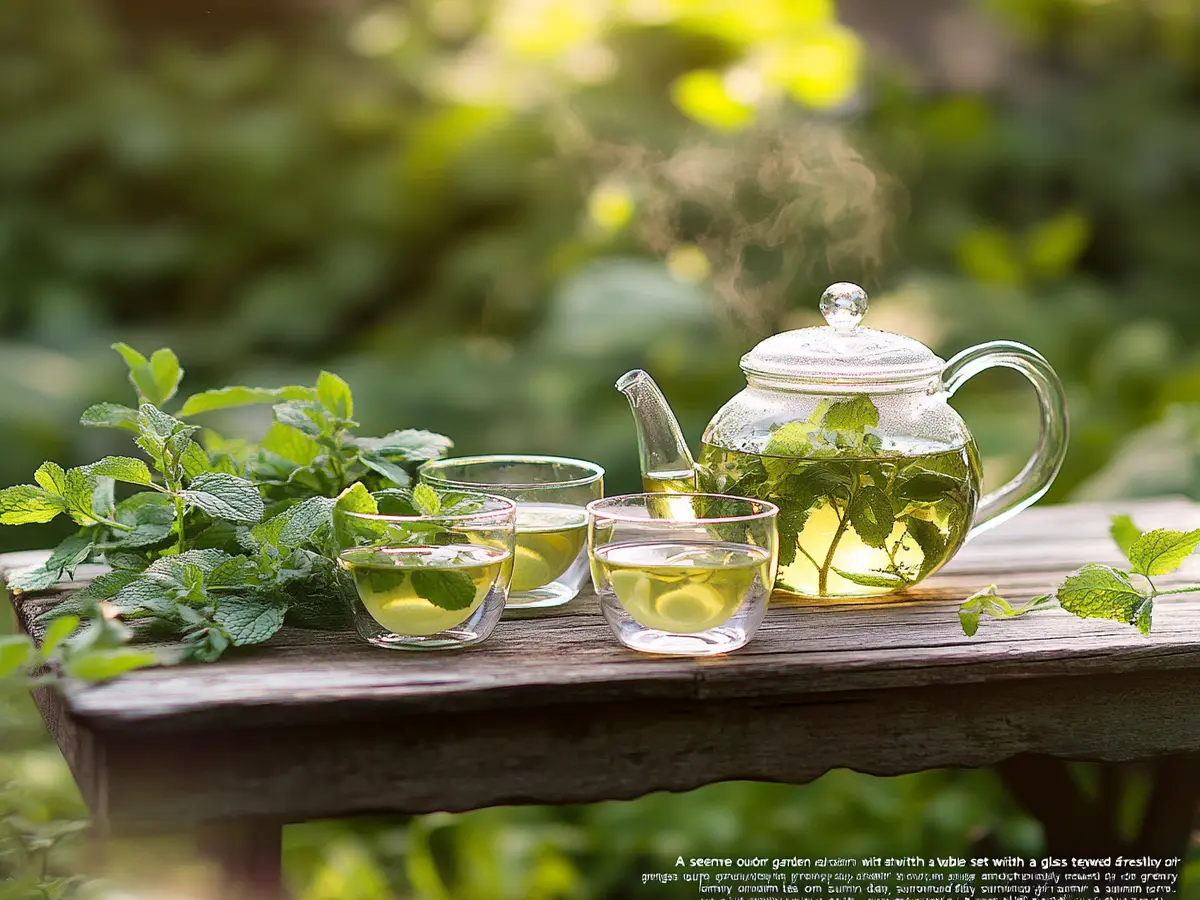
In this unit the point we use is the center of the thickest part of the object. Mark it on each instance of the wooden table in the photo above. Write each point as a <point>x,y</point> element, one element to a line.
<point>553,710</point>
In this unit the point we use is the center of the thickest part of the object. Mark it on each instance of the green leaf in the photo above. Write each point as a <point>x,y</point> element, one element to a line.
<point>110,415</point>
<point>122,468</point>
<point>1161,552</point>
<point>155,379</point>
<point>356,499</point>
<point>39,578</point>
<point>80,487</point>
<point>385,467</point>
<point>167,374</point>
<point>427,500</point>
<point>307,417</point>
<point>855,414</point>
<point>1143,616</point>
<point>74,551</point>
<point>108,585</point>
<point>51,477</point>
<point>249,620</point>
<point>989,602</point>
<point>291,444</point>
<point>1101,592</point>
<point>150,514</point>
<point>408,445</point>
<point>57,632</point>
<point>235,396</point>
<point>24,504</point>
<point>923,486</point>
<point>334,394</point>
<point>297,525</point>
<point>104,665</point>
<point>1124,533</point>
<point>226,497</point>
<point>872,516</point>
<point>206,561</point>
<point>16,654</point>
<point>931,540</point>
<point>448,590</point>
<point>874,579</point>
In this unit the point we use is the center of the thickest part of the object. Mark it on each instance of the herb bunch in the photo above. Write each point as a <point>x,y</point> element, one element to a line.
<point>836,459</point>
<point>1099,591</point>
<point>220,541</point>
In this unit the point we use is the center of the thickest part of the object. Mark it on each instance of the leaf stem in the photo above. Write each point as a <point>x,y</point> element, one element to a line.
<point>1189,590</point>
<point>823,574</point>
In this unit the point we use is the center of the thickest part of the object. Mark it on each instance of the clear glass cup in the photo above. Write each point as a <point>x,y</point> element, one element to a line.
<point>685,575</point>
<point>427,582</point>
<point>551,494</point>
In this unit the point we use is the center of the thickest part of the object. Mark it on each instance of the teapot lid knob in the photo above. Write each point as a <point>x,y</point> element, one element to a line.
<point>843,305</point>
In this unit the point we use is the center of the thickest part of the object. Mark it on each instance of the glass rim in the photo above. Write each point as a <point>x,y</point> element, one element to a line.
<point>770,510</point>
<point>595,470</point>
<point>506,508</point>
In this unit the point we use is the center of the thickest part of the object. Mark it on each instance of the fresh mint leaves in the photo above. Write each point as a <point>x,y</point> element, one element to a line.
<point>211,542</point>
<point>989,603</point>
<point>833,464</point>
<point>1104,592</point>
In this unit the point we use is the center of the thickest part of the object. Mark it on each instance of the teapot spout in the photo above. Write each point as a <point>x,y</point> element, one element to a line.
<point>667,464</point>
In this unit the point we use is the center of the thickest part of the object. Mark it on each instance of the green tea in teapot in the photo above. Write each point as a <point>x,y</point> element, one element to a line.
<point>855,520</point>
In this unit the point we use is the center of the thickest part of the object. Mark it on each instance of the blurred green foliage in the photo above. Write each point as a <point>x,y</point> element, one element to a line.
<point>481,213</point>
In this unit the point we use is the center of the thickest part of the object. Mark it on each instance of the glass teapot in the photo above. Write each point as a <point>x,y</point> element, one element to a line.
<point>849,430</point>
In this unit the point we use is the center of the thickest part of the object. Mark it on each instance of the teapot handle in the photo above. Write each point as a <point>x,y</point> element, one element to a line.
<point>1039,473</point>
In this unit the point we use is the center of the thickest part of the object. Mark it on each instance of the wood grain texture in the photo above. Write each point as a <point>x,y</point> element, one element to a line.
<point>552,709</point>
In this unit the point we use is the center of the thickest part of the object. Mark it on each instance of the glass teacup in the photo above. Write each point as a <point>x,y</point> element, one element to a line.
<point>427,581</point>
<point>692,578</point>
<point>551,494</point>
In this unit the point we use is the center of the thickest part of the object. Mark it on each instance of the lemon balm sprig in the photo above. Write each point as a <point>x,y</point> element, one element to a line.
<point>1104,592</point>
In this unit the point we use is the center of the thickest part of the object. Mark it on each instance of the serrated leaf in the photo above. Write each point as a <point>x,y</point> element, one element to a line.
<point>164,366</point>
<point>105,665</point>
<point>73,552</point>
<point>306,417</point>
<point>1162,551</point>
<point>16,653</point>
<point>393,472</point>
<point>57,632</point>
<point>153,419</point>
<point>25,504</point>
<point>291,444</point>
<point>923,486</point>
<point>150,514</point>
<point>248,620</point>
<point>931,540</point>
<point>226,497</point>
<point>122,468</point>
<point>80,487</point>
<point>334,394</point>
<point>871,516</point>
<point>1124,533</point>
<point>427,500</point>
<point>110,415</point>
<point>788,442</point>
<point>145,375</point>
<point>108,585</point>
<point>195,461</point>
<point>1101,592</point>
<point>989,602</point>
<point>407,445</point>
<point>874,579</point>
<point>51,477</point>
<point>856,414</point>
<point>447,590</point>
<point>237,395</point>
<point>356,499</point>
<point>28,581</point>
<point>205,561</point>
<point>298,525</point>
<point>1143,616</point>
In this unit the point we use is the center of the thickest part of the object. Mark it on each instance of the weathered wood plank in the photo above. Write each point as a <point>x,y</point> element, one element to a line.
<point>573,658</point>
<point>552,709</point>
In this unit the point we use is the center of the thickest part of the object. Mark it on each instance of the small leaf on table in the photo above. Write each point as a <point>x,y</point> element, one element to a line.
<point>249,620</point>
<point>1161,552</point>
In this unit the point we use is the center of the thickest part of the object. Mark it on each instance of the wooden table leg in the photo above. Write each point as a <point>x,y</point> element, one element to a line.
<point>248,857</point>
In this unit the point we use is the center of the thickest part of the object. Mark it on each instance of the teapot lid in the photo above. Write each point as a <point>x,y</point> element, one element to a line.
<point>842,351</point>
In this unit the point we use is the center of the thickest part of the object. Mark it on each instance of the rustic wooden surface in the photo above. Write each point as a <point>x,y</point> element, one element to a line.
<point>552,710</point>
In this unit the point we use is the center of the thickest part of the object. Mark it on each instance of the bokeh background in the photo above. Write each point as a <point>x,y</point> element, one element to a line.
<point>481,212</point>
